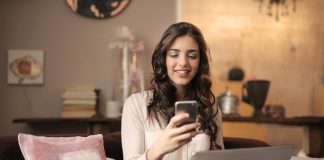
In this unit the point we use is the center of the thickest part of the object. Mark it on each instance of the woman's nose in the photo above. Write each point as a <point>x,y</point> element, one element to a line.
<point>182,60</point>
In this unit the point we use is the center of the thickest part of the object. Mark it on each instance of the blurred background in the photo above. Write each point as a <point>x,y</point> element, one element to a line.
<point>279,42</point>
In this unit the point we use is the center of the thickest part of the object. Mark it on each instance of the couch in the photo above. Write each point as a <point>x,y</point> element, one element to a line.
<point>9,147</point>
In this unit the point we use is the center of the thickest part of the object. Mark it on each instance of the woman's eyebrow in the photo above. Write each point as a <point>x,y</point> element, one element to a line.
<point>192,50</point>
<point>176,50</point>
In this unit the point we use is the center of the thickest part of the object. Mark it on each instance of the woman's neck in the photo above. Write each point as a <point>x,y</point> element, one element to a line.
<point>181,93</point>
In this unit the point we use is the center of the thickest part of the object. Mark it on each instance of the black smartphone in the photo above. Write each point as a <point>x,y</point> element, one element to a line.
<point>189,107</point>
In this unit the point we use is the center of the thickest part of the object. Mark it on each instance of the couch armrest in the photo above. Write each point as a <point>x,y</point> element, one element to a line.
<point>113,146</point>
<point>235,142</point>
<point>9,148</point>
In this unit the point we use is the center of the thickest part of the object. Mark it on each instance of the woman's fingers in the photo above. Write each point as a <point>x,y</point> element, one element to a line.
<point>174,137</point>
<point>177,119</point>
<point>186,128</point>
<point>186,135</point>
<point>184,139</point>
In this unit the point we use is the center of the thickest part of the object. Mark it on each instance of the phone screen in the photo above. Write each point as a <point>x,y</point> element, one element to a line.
<point>189,107</point>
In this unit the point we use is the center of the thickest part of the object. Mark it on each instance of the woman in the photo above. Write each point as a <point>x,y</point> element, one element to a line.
<point>180,72</point>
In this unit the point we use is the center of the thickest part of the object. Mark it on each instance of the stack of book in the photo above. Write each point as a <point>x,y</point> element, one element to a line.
<point>79,101</point>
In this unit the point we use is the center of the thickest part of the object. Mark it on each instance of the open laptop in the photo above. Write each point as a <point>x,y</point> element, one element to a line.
<point>283,152</point>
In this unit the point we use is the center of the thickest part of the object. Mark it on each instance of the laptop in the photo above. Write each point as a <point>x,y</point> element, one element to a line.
<point>282,152</point>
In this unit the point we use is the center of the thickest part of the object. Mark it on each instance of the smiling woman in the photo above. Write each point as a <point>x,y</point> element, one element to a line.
<point>98,9</point>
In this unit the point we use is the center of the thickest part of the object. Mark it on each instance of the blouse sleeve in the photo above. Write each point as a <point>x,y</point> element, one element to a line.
<point>132,130</point>
<point>219,140</point>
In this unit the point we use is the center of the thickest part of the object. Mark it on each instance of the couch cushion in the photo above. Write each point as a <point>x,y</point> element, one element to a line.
<point>62,148</point>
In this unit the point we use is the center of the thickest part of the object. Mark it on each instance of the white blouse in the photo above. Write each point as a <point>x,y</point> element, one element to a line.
<point>138,133</point>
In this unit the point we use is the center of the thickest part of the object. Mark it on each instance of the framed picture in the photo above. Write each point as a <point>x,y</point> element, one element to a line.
<point>25,67</point>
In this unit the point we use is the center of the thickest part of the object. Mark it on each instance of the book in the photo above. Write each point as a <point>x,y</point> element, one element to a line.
<point>79,95</point>
<point>79,102</point>
<point>78,108</point>
<point>78,113</point>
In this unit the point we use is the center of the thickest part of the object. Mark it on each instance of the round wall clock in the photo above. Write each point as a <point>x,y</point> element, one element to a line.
<point>98,9</point>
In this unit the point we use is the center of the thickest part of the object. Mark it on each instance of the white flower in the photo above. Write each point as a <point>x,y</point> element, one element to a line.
<point>124,33</point>
<point>123,37</point>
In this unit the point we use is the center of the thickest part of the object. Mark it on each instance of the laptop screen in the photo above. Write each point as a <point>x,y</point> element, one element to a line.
<point>283,152</point>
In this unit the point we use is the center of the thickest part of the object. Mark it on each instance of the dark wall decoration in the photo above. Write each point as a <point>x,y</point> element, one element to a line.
<point>98,9</point>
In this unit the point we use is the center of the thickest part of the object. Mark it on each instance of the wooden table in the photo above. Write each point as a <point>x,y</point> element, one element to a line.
<point>313,127</point>
<point>94,125</point>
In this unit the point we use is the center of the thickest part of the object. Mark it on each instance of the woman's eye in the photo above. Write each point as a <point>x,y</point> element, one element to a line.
<point>173,54</point>
<point>193,55</point>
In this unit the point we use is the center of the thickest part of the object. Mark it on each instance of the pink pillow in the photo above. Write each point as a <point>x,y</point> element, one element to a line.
<point>62,148</point>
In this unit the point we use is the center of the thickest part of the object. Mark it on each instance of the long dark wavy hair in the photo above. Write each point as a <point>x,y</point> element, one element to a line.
<point>199,89</point>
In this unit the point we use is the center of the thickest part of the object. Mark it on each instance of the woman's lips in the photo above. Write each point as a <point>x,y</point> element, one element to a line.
<point>182,73</point>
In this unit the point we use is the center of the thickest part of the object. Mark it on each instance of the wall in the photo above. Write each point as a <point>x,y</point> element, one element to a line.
<point>75,51</point>
<point>288,52</point>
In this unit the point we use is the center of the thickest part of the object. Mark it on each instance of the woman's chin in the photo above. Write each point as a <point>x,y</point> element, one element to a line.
<point>182,83</point>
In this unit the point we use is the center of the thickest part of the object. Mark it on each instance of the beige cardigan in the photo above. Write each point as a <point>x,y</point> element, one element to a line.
<point>138,134</point>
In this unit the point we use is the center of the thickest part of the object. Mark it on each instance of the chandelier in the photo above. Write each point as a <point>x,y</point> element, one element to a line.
<point>278,8</point>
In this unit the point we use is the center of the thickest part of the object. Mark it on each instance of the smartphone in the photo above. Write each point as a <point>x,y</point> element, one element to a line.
<point>189,107</point>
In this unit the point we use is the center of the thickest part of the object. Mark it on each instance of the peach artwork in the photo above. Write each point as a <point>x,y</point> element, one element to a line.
<point>25,66</point>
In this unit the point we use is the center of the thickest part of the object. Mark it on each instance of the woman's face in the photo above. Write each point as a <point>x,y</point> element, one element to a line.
<point>182,61</point>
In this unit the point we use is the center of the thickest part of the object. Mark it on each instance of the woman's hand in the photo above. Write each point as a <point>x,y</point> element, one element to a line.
<point>173,137</point>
